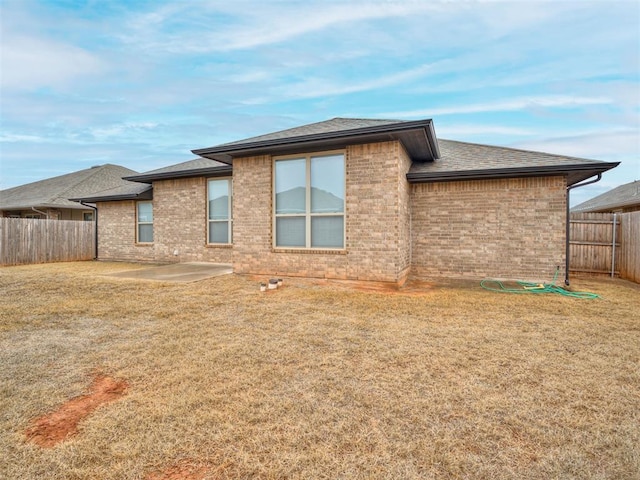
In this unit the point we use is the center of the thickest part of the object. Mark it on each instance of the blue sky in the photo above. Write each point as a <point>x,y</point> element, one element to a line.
<point>140,84</point>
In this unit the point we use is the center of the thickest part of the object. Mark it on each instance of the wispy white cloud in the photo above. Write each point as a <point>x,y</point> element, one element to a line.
<point>465,130</point>
<point>324,87</point>
<point>126,129</point>
<point>605,143</point>
<point>258,24</point>
<point>17,137</point>
<point>32,62</point>
<point>516,104</point>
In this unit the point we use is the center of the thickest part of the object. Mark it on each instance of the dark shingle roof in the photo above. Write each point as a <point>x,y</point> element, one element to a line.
<point>624,196</point>
<point>55,192</point>
<point>328,126</point>
<point>190,168</point>
<point>417,136</point>
<point>462,160</point>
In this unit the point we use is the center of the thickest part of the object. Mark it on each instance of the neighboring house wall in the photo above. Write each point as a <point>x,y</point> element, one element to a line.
<point>511,228</point>
<point>52,214</point>
<point>625,209</point>
<point>377,242</point>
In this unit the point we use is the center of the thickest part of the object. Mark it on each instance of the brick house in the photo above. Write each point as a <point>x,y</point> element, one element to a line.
<point>350,199</point>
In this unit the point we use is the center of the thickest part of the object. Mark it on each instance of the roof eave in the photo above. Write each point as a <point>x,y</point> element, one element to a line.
<point>426,151</point>
<point>53,206</point>
<point>199,172</point>
<point>574,173</point>
<point>146,195</point>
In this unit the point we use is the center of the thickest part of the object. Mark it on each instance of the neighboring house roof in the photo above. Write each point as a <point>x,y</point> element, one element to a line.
<point>191,168</point>
<point>624,196</point>
<point>55,192</point>
<point>418,138</point>
<point>467,161</point>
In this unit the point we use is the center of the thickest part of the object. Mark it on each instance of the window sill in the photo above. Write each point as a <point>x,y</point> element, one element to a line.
<point>143,244</point>
<point>219,245</point>
<point>312,251</point>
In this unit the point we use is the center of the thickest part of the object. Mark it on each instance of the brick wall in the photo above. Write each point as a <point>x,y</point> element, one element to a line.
<point>404,216</point>
<point>373,238</point>
<point>180,224</point>
<point>511,228</point>
<point>117,233</point>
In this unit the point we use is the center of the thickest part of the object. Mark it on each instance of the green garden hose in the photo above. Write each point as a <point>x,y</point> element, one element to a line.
<point>528,287</point>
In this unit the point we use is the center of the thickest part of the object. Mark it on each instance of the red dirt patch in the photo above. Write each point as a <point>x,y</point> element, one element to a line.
<point>53,428</point>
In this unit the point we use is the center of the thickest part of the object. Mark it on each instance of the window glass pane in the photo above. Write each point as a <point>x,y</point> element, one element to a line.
<point>290,232</point>
<point>291,180</point>
<point>327,232</point>
<point>145,212</point>
<point>327,184</point>
<point>145,233</point>
<point>218,199</point>
<point>218,232</point>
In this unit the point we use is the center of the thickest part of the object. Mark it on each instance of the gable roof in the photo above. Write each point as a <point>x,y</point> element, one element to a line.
<point>191,168</point>
<point>626,195</point>
<point>56,192</point>
<point>467,161</point>
<point>418,138</point>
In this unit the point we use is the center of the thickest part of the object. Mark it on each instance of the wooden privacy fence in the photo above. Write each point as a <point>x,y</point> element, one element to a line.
<point>605,243</point>
<point>33,240</point>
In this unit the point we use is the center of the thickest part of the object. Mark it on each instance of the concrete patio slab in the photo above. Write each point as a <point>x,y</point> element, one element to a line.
<point>178,272</point>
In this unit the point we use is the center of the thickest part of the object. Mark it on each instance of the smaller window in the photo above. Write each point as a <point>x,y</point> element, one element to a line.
<point>144,222</point>
<point>219,218</point>
<point>87,216</point>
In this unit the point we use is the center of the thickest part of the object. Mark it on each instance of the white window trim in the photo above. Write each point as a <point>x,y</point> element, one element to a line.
<point>230,210</point>
<point>308,215</point>
<point>138,223</point>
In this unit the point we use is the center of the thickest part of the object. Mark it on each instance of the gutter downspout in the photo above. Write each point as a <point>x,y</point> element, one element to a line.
<point>568,226</point>
<point>95,228</point>
<point>46,215</point>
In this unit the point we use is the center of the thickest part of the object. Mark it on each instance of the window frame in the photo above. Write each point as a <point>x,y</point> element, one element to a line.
<point>138,223</point>
<point>308,215</point>
<point>229,220</point>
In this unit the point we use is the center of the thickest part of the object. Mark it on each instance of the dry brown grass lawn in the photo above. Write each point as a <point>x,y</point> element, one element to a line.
<point>318,380</point>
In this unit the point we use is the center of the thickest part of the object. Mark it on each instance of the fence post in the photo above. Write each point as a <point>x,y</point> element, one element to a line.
<point>613,248</point>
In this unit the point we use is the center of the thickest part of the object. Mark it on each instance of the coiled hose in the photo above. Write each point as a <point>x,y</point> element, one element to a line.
<point>528,287</point>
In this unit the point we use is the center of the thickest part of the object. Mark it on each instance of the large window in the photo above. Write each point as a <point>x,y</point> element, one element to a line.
<point>219,211</point>
<point>309,201</point>
<point>144,217</point>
